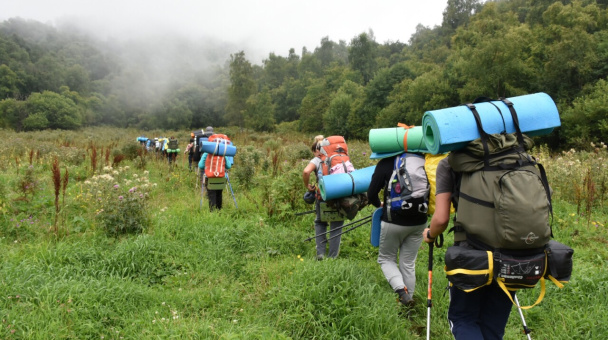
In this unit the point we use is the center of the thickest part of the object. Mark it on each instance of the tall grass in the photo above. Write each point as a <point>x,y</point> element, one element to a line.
<point>243,273</point>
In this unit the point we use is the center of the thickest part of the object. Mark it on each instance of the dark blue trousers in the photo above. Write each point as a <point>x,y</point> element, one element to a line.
<point>479,315</point>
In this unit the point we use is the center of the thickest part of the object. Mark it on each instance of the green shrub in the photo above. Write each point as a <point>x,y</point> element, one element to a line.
<point>121,201</point>
<point>131,151</point>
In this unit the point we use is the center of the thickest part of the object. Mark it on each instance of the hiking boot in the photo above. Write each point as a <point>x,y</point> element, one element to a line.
<point>320,257</point>
<point>404,298</point>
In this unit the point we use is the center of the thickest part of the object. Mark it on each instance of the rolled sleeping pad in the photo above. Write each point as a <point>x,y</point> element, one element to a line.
<point>222,148</point>
<point>374,237</point>
<point>142,139</point>
<point>376,155</point>
<point>452,128</point>
<point>347,184</point>
<point>396,140</point>
<point>173,150</point>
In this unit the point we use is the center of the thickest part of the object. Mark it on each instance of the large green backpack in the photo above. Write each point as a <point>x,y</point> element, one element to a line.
<point>504,199</point>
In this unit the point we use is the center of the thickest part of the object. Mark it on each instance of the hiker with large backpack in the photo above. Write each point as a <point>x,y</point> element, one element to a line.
<point>172,149</point>
<point>213,168</point>
<point>404,216</point>
<point>482,313</point>
<point>501,229</point>
<point>324,217</point>
<point>190,152</point>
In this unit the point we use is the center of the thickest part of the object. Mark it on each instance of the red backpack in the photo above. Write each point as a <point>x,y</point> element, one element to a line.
<point>215,165</point>
<point>334,156</point>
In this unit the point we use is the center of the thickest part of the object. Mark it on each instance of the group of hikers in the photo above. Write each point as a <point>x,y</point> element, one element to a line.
<point>493,190</point>
<point>204,154</point>
<point>484,270</point>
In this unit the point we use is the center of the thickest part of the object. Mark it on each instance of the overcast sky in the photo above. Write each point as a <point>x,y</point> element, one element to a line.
<point>257,26</point>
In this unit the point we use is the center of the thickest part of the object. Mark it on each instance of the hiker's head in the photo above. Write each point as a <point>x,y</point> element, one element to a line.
<point>208,131</point>
<point>316,144</point>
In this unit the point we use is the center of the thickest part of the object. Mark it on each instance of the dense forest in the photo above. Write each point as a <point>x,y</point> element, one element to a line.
<point>58,78</point>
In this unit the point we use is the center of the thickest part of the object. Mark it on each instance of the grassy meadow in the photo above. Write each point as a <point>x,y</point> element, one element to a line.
<point>99,240</point>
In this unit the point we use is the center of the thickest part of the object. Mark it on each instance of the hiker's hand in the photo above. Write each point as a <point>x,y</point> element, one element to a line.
<point>311,187</point>
<point>425,237</point>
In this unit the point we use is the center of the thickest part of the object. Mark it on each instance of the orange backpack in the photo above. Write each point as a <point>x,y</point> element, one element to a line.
<point>334,156</point>
<point>215,165</point>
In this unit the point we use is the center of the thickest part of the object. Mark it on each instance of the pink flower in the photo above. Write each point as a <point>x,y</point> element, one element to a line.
<point>116,186</point>
<point>120,198</point>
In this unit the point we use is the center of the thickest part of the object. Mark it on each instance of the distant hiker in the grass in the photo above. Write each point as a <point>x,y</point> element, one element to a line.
<point>213,169</point>
<point>190,152</point>
<point>404,216</point>
<point>320,223</point>
<point>172,149</point>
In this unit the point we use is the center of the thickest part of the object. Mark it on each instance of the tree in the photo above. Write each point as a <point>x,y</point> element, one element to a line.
<point>9,82</point>
<point>260,112</point>
<point>343,104</point>
<point>361,55</point>
<point>287,99</point>
<point>12,113</point>
<point>241,87</point>
<point>587,119</point>
<point>458,12</point>
<point>61,112</point>
<point>491,56</point>
<point>314,104</point>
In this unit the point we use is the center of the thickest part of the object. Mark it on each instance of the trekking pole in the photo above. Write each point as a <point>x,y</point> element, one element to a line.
<point>304,213</point>
<point>367,218</point>
<point>429,299</point>
<point>527,330</point>
<point>344,232</point>
<point>232,192</point>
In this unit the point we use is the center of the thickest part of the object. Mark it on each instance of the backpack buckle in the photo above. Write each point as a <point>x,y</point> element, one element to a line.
<point>406,205</point>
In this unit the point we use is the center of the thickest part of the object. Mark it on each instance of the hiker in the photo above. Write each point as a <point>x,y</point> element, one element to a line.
<point>190,152</point>
<point>171,148</point>
<point>482,313</point>
<point>221,164</point>
<point>208,131</point>
<point>400,232</point>
<point>321,226</point>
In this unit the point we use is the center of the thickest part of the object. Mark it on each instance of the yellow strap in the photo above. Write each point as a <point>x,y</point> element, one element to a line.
<point>557,283</point>
<point>501,283</point>
<point>468,271</point>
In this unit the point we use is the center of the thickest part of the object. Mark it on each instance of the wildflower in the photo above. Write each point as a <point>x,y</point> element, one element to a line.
<point>120,198</point>
<point>364,153</point>
<point>116,186</point>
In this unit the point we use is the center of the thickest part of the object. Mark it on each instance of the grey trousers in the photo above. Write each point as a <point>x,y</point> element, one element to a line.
<point>321,238</point>
<point>400,242</point>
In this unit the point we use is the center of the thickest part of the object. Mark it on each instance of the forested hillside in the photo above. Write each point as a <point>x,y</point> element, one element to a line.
<point>58,78</point>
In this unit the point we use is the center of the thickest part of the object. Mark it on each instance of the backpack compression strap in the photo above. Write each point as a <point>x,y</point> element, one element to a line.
<point>407,129</point>
<point>217,161</point>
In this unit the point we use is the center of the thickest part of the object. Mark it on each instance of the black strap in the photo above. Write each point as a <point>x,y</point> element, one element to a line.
<point>515,118</point>
<point>477,200</point>
<point>482,134</point>
<point>352,179</point>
